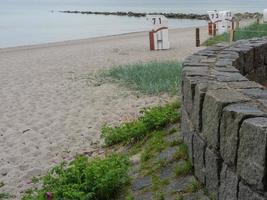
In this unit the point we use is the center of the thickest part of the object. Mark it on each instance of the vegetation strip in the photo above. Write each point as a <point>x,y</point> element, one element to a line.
<point>150,167</point>
<point>150,78</point>
<point>251,31</point>
<point>84,179</point>
<point>152,119</point>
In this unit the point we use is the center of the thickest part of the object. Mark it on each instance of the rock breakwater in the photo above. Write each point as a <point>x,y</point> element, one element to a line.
<point>168,15</point>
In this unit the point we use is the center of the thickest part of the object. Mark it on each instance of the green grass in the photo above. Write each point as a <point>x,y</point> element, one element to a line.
<point>85,179</point>
<point>150,78</point>
<point>183,169</point>
<point>251,31</point>
<point>181,152</point>
<point>153,146</point>
<point>153,119</point>
<point>4,196</point>
<point>193,187</point>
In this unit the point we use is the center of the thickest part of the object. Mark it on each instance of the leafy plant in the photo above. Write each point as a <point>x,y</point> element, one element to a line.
<point>153,119</point>
<point>85,179</point>
<point>5,195</point>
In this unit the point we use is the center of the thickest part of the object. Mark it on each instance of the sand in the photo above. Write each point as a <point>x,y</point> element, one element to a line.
<point>52,108</point>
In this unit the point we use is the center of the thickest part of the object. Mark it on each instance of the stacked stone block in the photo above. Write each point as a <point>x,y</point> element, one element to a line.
<point>224,118</point>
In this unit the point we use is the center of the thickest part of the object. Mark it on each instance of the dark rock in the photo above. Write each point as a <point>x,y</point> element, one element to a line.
<point>245,193</point>
<point>215,101</point>
<point>251,163</point>
<point>141,183</point>
<point>230,123</point>
<point>212,170</point>
<point>196,196</point>
<point>167,154</point>
<point>169,171</point>
<point>173,137</point>
<point>143,196</point>
<point>229,185</point>
<point>180,184</point>
<point>188,139</point>
<point>199,156</point>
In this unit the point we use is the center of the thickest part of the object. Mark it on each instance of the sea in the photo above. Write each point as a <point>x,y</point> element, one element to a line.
<point>28,22</point>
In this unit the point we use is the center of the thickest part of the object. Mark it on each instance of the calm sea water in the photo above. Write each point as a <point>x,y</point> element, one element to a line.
<point>24,22</point>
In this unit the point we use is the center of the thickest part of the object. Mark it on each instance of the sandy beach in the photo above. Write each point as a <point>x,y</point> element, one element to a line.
<point>52,108</point>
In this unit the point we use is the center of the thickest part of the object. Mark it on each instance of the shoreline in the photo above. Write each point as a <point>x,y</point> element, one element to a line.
<point>80,40</point>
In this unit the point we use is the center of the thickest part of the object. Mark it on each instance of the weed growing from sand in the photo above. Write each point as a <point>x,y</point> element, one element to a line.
<point>150,78</point>
<point>85,179</point>
<point>153,119</point>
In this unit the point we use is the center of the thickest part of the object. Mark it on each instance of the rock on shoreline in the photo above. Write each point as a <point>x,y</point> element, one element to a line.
<point>168,15</point>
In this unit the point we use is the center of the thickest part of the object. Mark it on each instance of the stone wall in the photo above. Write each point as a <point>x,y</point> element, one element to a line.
<point>224,119</point>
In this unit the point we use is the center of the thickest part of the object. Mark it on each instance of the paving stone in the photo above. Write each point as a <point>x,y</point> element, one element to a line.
<point>167,154</point>
<point>180,184</point>
<point>173,137</point>
<point>196,196</point>
<point>251,163</point>
<point>215,101</point>
<point>245,193</point>
<point>229,185</point>
<point>199,155</point>
<point>144,196</point>
<point>169,171</point>
<point>134,171</point>
<point>141,183</point>
<point>230,123</point>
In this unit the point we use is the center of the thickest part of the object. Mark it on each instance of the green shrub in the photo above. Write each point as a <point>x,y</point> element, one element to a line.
<point>150,78</point>
<point>152,119</point>
<point>85,179</point>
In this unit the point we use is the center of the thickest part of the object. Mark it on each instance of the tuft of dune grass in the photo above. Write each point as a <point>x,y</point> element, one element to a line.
<point>151,78</point>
